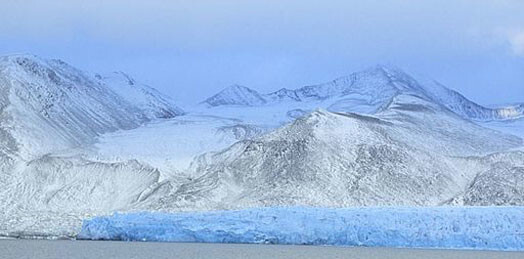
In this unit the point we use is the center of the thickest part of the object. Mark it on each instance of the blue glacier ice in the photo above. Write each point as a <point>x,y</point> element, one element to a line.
<point>489,228</point>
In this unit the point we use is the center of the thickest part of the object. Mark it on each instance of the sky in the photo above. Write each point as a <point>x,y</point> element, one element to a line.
<point>192,49</point>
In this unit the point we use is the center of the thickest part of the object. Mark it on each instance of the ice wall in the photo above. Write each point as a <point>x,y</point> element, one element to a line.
<point>494,228</point>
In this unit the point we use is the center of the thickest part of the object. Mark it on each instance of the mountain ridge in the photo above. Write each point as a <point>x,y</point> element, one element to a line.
<point>235,95</point>
<point>377,85</point>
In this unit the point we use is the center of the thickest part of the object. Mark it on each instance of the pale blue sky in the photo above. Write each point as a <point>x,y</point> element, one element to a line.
<point>192,49</point>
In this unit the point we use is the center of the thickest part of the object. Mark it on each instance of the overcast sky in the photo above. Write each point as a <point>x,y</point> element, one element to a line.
<point>192,49</point>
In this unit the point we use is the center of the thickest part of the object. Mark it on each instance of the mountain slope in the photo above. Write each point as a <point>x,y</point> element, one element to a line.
<point>48,105</point>
<point>502,184</point>
<point>466,108</point>
<point>149,100</point>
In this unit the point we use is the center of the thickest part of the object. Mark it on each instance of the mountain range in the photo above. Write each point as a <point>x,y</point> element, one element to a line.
<point>372,90</point>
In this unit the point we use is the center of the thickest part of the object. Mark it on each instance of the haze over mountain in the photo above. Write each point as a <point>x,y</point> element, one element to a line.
<point>76,144</point>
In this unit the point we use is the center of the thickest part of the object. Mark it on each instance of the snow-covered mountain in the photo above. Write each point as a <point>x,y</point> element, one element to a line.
<point>48,105</point>
<point>236,95</point>
<point>369,90</point>
<point>407,154</point>
<point>149,100</point>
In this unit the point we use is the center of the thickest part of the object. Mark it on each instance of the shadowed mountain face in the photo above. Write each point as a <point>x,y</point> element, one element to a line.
<point>371,89</point>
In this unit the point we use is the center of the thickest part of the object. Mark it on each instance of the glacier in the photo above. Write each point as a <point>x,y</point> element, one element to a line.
<point>483,228</point>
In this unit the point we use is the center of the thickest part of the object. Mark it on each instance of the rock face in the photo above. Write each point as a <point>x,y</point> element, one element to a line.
<point>500,185</point>
<point>47,105</point>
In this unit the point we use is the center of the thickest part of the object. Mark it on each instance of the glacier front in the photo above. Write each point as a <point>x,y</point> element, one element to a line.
<point>485,228</point>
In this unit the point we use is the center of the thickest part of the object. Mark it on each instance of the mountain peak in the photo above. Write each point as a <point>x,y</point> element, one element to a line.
<point>236,95</point>
<point>15,56</point>
<point>23,60</point>
<point>238,87</point>
<point>377,69</point>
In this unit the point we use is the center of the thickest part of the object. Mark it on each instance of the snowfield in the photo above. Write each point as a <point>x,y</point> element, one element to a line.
<point>485,228</point>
